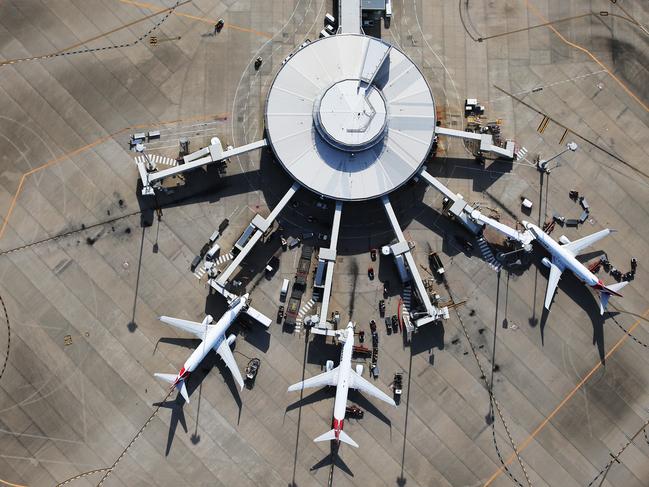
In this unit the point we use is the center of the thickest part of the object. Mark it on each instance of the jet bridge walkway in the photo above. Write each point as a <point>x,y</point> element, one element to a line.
<point>473,219</point>
<point>260,225</point>
<point>328,257</point>
<point>401,250</point>
<point>202,157</point>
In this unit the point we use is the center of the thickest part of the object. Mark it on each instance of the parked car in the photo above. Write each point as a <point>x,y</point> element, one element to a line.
<point>395,323</point>
<point>397,386</point>
<point>373,254</point>
<point>370,273</point>
<point>386,289</point>
<point>280,314</point>
<point>388,325</point>
<point>382,308</point>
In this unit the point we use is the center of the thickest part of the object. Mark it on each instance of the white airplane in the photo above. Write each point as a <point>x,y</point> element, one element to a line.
<point>213,338</point>
<point>343,377</point>
<point>564,257</point>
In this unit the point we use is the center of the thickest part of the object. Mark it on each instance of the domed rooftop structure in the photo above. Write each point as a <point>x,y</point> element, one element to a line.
<point>350,117</point>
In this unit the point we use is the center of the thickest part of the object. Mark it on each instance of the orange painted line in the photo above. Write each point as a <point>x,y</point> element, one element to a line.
<point>84,148</point>
<point>5,482</point>
<point>206,20</point>
<point>544,423</point>
<point>540,16</point>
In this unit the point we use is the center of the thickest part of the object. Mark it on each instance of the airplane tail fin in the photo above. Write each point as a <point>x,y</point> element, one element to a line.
<point>607,291</point>
<point>180,385</point>
<point>331,435</point>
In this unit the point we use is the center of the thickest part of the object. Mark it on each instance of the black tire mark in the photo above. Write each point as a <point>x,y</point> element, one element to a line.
<point>4,365</point>
<point>103,48</point>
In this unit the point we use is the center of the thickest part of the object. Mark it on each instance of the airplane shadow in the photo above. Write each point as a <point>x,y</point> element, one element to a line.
<point>229,381</point>
<point>333,459</point>
<point>190,343</point>
<point>365,403</point>
<point>177,416</point>
<point>581,295</point>
<point>326,392</point>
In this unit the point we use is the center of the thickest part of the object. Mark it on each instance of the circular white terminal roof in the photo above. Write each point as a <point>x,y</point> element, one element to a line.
<point>350,117</point>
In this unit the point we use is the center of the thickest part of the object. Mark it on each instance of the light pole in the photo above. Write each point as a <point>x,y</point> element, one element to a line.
<point>542,165</point>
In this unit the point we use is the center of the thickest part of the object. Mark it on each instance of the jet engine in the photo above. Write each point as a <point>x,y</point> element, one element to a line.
<point>546,262</point>
<point>231,339</point>
<point>329,365</point>
<point>359,369</point>
<point>563,240</point>
<point>210,320</point>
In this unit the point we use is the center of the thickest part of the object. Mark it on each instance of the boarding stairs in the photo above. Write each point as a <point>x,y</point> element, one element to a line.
<point>156,160</point>
<point>487,254</point>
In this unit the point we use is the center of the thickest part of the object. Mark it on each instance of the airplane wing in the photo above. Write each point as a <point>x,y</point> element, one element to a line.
<point>197,329</point>
<point>329,378</point>
<point>260,317</point>
<point>556,269</point>
<point>357,382</point>
<point>577,246</point>
<point>226,354</point>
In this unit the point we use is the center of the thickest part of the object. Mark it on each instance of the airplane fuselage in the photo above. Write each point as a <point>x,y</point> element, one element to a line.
<point>340,404</point>
<point>213,337</point>
<point>566,258</point>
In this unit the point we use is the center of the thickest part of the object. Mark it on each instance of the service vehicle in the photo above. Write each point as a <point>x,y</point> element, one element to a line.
<point>395,324</point>
<point>372,326</point>
<point>252,368</point>
<point>280,314</point>
<point>436,264</point>
<point>354,412</point>
<point>284,291</point>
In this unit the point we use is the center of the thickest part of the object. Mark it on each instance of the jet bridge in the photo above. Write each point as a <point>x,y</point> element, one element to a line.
<point>486,141</point>
<point>202,157</point>
<point>472,219</point>
<point>402,250</point>
<point>261,224</point>
<point>328,257</point>
<point>349,16</point>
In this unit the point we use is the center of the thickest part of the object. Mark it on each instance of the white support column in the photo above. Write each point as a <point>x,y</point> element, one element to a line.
<point>329,255</point>
<point>201,157</point>
<point>405,251</point>
<point>261,224</point>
